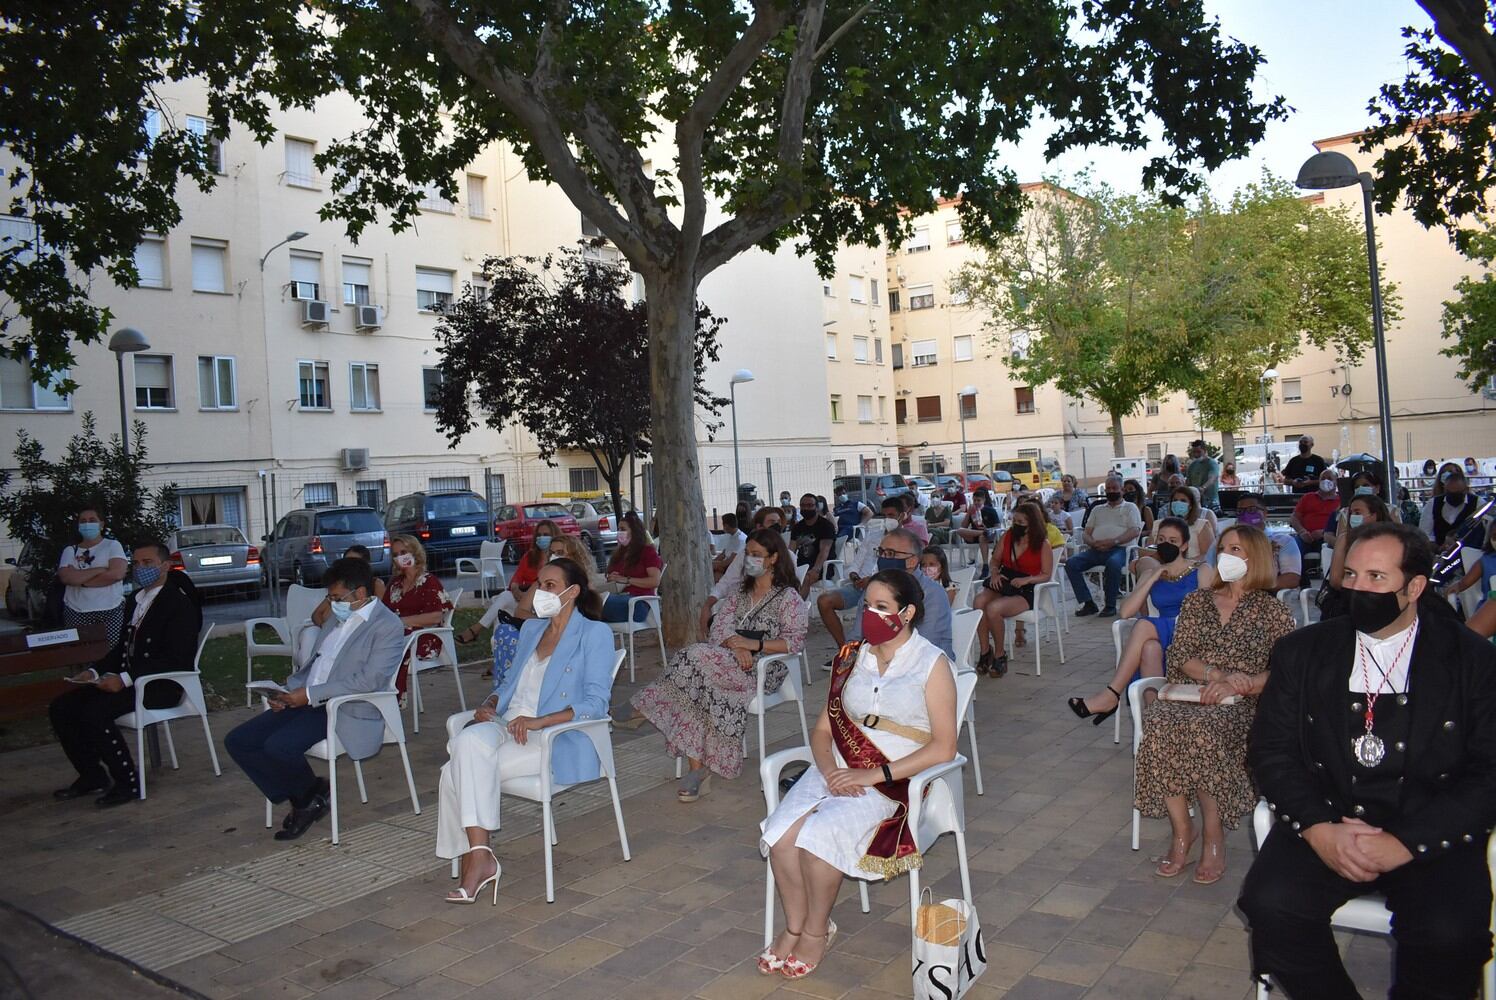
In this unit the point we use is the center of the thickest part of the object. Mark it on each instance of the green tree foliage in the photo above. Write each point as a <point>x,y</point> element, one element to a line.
<point>554,346</point>
<point>1469,319</point>
<point>40,501</point>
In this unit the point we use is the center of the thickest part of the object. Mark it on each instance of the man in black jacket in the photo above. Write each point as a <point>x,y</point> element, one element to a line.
<point>1375,747</point>
<point>162,622</point>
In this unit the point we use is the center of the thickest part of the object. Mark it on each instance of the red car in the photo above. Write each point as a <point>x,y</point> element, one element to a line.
<point>514,524</point>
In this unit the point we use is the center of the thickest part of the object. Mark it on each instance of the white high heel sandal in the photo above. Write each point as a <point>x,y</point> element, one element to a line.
<point>463,898</point>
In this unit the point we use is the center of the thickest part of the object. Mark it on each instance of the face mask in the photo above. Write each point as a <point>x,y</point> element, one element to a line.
<point>146,576</point>
<point>808,513</point>
<point>547,604</point>
<point>341,610</point>
<point>890,523</point>
<point>1370,612</point>
<point>892,562</point>
<point>1129,495</point>
<point>1454,494</point>
<point>542,542</point>
<point>1327,486</point>
<point>1230,567</point>
<point>623,536</point>
<point>877,629</point>
<point>933,572</point>
<point>1179,508</point>
<point>1356,520</point>
<point>405,560</point>
<point>1304,447</point>
<point>1020,528</point>
<point>1113,497</point>
<point>1253,517</point>
<point>1167,551</point>
<point>1364,491</point>
<point>553,558</point>
<point>89,530</point>
<point>754,565</point>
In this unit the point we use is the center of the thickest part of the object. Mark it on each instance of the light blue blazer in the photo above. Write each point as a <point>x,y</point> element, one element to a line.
<point>579,677</point>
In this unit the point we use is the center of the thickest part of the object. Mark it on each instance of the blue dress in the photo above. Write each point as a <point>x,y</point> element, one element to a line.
<point>1167,595</point>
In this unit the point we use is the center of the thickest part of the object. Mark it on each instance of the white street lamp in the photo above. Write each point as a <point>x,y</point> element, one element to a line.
<point>1267,378</point>
<point>741,375</point>
<point>126,340</point>
<point>290,238</point>
<point>970,390</point>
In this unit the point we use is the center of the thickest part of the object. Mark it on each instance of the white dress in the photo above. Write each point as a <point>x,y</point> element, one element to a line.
<point>840,827</point>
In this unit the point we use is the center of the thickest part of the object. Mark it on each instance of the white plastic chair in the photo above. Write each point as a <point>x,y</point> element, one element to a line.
<point>1045,610</point>
<point>542,787</point>
<point>487,569</point>
<point>1369,914</point>
<point>653,619</point>
<point>964,625</point>
<point>1121,632</point>
<point>446,656</point>
<point>1290,598</point>
<point>1135,692</point>
<point>788,691</point>
<point>330,747</point>
<point>965,580</point>
<point>193,704</point>
<point>300,603</point>
<point>966,677</point>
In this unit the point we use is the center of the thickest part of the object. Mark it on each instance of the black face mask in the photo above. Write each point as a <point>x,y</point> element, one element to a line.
<point>1167,551</point>
<point>1371,612</point>
<point>1113,497</point>
<point>1454,498</point>
<point>1129,495</point>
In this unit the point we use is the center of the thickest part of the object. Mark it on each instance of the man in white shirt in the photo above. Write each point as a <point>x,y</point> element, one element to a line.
<point>1108,530</point>
<point>731,544</point>
<point>732,576</point>
<point>358,651</point>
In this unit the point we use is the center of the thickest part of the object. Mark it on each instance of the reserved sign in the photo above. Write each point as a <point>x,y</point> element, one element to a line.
<point>38,639</point>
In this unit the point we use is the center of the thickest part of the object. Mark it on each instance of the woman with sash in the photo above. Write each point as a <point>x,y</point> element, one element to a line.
<point>890,714</point>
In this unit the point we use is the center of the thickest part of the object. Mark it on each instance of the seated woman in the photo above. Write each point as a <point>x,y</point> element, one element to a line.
<point>1366,508</point>
<point>306,638</point>
<point>1362,484</point>
<point>1221,642</point>
<point>417,597</point>
<point>565,673</point>
<point>1482,574</point>
<point>506,608</point>
<point>1184,505</point>
<point>981,523</point>
<point>1167,584</point>
<point>1132,492</point>
<point>845,816</point>
<point>933,563</point>
<point>700,702</point>
<point>1229,479</point>
<point>635,566</point>
<point>1023,560</point>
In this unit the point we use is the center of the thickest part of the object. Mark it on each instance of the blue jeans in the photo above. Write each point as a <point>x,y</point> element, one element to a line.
<point>1115,560</point>
<point>271,748</point>
<point>616,609</point>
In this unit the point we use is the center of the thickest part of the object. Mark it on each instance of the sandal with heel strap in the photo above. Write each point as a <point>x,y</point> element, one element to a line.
<point>1079,707</point>
<point>1213,852</point>
<point>770,963</point>
<point>1170,869</point>
<point>796,969</point>
<point>463,899</point>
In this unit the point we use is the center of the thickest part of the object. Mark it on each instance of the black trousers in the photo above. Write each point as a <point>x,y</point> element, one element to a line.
<point>1441,916</point>
<point>83,720</point>
<point>271,748</point>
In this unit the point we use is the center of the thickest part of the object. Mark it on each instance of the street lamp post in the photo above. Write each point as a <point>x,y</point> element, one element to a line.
<point>741,375</point>
<point>1331,169</point>
<point>970,390</point>
<point>290,238</point>
<point>1267,377</point>
<point>126,340</point>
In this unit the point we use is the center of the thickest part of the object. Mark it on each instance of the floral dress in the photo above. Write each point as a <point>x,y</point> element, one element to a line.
<point>425,596</point>
<point>1187,747</point>
<point>700,701</point>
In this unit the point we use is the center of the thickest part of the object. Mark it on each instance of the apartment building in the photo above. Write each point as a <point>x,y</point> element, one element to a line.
<point>859,363</point>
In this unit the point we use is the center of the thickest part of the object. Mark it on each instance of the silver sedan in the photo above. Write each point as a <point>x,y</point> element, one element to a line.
<point>216,556</point>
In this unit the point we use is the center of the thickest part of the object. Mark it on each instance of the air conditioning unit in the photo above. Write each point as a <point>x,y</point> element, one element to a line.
<point>355,459</point>
<point>367,318</point>
<point>313,314</point>
<point>898,272</point>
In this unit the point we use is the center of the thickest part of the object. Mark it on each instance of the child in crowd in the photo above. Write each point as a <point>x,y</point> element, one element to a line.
<point>933,563</point>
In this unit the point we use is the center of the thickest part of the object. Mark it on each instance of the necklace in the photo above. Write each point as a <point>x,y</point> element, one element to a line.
<point>1368,748</point>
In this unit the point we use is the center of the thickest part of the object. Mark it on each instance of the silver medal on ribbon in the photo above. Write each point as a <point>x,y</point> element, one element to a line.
<point>1369,749</point>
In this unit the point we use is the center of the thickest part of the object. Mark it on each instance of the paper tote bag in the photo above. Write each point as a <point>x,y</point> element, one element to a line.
<point>948,951</point>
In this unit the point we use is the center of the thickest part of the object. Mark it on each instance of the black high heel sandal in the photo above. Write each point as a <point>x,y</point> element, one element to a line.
<point>1079,707</point>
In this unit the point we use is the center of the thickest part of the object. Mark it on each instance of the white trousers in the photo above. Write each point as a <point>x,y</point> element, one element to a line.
<point>481,756</point>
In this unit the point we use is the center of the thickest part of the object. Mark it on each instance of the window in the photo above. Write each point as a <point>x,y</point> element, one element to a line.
<point>922,353</point>
<point>971,461</point>
<point>300,171</point>
<point>496,489</point>
<point>877,350</point>
<point>827,292</point>
<point>583,480</point>
<point>209,258</point>
<point>959,295</point>
<point>313,379</point>
<point>363,389</point>
<point>893,300</point>
<point>961,348</point>
<point>872,286</point>
<point>476,197</point>
<point>1293,390</point>
<point>888,465</point>
<point>1155,454</point>
<point>830,347</point>
<point>150,262</point>
<point>927,408</point>
<point>920,241</point>
<point>931,465</point>
<point>900,411</point>
<point>882,409</point>
<point>1150,408</point>
<point>18,392</point>
<point>215,383</point>
<point>480,285</point>
<point>836,409</point>
<point>211,506</point>
<point>839,467</point>
<point>153,382</point>
<point>433,200</point>
<point>858,288</point>
<point>1018,344</point>
<point>306,275</point>
<point>1023,398</point>
<point>898,356</point>
<point>590,230</point>
<point>449,483</point>
<point>433,289</point>
<point>152,128</point>
<point>968,406</point>
<point>953,232</point>
<point>320,495</point>
<point>431,388</point>
<point>356,271</point>
<point>213,149</point>
<point>921,296</point>
<point>865,409</point>
<point>859,350</point>
<point>370,493</point>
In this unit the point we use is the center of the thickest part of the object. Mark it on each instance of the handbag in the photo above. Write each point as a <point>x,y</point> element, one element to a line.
<point>948,950</point>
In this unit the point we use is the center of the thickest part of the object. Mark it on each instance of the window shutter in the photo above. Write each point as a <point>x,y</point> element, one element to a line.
<point>900,412</point>
<point>207,268</point>
<point>151,372</point>
<point>150,262</point>
<point>428,280</point>
<point>927,407</point>
<point>306,267</point>
<point>15,385</point>
<point>299,169</point>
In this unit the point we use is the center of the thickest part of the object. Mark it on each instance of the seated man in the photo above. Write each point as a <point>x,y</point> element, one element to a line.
<point>1109,528</point>
<point>899,549</point>
<point>357,651</point>
<point>849,595</point>
<point>1288,562</point>
<point>732,577</point>
<point>849,513</point>
<point>1311,515</point>
<point>1397,801</point>
<point>981,524</point>
<point>162,621</point>
<point>811,540</point>
<point>732,544</point>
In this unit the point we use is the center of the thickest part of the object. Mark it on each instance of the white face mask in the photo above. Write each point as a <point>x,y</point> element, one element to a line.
<point>405,560</point>
<point>754,565</point>
<point>624,535</point>
<point>933,572</point>
<point>547,604</point>
<point>1230,567</point>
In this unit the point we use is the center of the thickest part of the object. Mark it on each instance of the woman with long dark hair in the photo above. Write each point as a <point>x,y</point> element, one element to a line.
<point>1022,561</point>
<point>635,565</point>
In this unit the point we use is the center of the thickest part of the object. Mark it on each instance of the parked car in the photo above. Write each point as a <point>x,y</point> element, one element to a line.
<point>872,489</point>
<point>970,482</point>
<point>599,524</point>
<point>306,541</point>
<point>22,598</point>
<point>451,524</point>
<point>515,524</point>
<point>1031,472</point>
<point>216,557</point>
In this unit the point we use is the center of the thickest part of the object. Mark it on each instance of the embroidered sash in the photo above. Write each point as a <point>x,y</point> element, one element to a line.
<point>892,851</point>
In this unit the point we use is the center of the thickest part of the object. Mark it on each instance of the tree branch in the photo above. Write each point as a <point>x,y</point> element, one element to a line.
<point>846,26</point>
<point>1462,26</point>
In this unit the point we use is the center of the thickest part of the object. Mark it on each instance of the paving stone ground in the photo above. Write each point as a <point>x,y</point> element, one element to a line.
<point>1067,908</point>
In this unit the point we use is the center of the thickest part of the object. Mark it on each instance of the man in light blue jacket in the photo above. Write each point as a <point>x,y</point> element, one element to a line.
<point>357,651</point>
